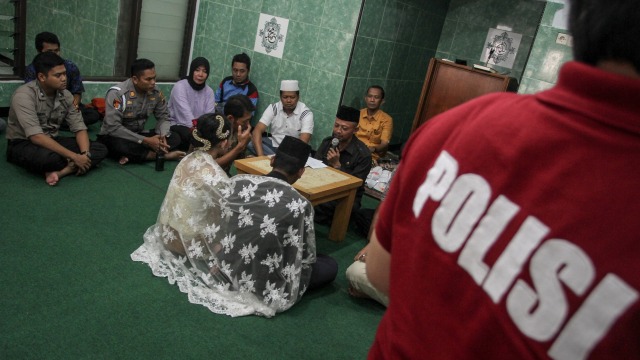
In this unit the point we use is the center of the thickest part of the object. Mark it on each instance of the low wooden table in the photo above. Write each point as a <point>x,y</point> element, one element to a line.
<point>318,186</point>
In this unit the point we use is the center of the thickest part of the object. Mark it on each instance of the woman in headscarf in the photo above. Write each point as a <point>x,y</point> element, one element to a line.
<point>239,246</point>
<point>190,98</point>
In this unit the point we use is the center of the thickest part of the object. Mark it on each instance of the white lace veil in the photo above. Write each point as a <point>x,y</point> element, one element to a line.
<point>238,246</point>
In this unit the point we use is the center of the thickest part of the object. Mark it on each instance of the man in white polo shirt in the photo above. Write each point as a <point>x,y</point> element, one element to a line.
<point>286,117</point>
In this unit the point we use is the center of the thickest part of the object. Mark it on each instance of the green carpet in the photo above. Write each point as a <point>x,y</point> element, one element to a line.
<point>69,289</point>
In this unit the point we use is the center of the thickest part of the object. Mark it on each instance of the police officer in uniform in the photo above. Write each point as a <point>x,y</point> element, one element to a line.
<point>38,108</point>
<point>128,105</point>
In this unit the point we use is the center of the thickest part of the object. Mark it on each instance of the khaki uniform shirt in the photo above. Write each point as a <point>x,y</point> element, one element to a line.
<point>375,129</point>
<point>32,112</point>
<point>127,111</point>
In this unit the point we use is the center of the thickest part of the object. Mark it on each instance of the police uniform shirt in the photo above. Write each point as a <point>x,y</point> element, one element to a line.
<point>127,111</point>
<point>32,112</point>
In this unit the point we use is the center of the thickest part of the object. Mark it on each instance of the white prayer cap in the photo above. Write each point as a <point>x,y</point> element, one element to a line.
<point>289,85</point>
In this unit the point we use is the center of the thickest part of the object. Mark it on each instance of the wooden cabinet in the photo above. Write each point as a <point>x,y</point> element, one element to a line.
<point>448,84</point>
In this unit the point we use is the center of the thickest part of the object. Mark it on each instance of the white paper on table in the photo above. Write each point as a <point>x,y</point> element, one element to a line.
<point>315,163</point>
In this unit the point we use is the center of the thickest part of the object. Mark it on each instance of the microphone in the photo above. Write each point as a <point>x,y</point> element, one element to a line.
<point>334,143</point>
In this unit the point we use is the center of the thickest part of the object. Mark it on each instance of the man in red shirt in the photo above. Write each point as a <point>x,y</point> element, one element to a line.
<point>510,230</point>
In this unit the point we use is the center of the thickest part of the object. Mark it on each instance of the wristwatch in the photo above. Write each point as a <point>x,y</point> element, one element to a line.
<point>86,153</point>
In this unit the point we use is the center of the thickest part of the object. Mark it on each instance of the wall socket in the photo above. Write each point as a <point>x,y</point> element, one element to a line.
<point>564,39</point>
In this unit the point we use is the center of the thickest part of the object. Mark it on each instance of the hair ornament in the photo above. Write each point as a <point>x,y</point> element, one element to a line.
<point>206,143</point>
<point>219,134</point>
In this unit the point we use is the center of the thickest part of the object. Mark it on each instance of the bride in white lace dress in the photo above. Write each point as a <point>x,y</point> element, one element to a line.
<point>213,238</point>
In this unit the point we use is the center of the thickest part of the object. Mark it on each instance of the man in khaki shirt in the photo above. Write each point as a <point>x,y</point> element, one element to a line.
<point>375,126</point>
<point>128,106</point>
<point>38,108</point>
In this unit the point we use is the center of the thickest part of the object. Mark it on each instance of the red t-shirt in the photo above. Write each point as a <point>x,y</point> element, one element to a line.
<point>524,240</point>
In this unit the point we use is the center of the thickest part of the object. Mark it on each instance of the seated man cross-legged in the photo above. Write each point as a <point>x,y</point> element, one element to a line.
<point>286,117</point>
<point>38,108</point>
<point>128,105</point>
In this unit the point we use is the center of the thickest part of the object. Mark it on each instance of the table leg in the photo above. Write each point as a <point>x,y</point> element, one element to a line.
<point>341,215</point>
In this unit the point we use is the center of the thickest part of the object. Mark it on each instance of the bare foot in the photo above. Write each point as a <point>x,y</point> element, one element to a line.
<point>51,178</point>
<point>175,155</point>
<point>123,160</point>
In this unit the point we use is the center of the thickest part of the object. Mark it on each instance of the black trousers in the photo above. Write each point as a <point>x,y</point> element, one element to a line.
<point>89,115</point>
<point>39,160</point>
<point>184,133</point>
<point>136,153</point>
<point>323,271</point>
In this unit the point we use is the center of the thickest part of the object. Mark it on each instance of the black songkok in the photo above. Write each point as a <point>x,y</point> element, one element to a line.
<point>347,113</point>
<point>294,150</point>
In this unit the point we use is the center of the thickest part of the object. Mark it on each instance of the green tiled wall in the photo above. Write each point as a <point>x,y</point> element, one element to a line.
<point>317,49</point>
<point>468,21</point>
<point>395,40</point>
<point>86,29</point>
<point>6,41</point>
<point>546,56</point>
